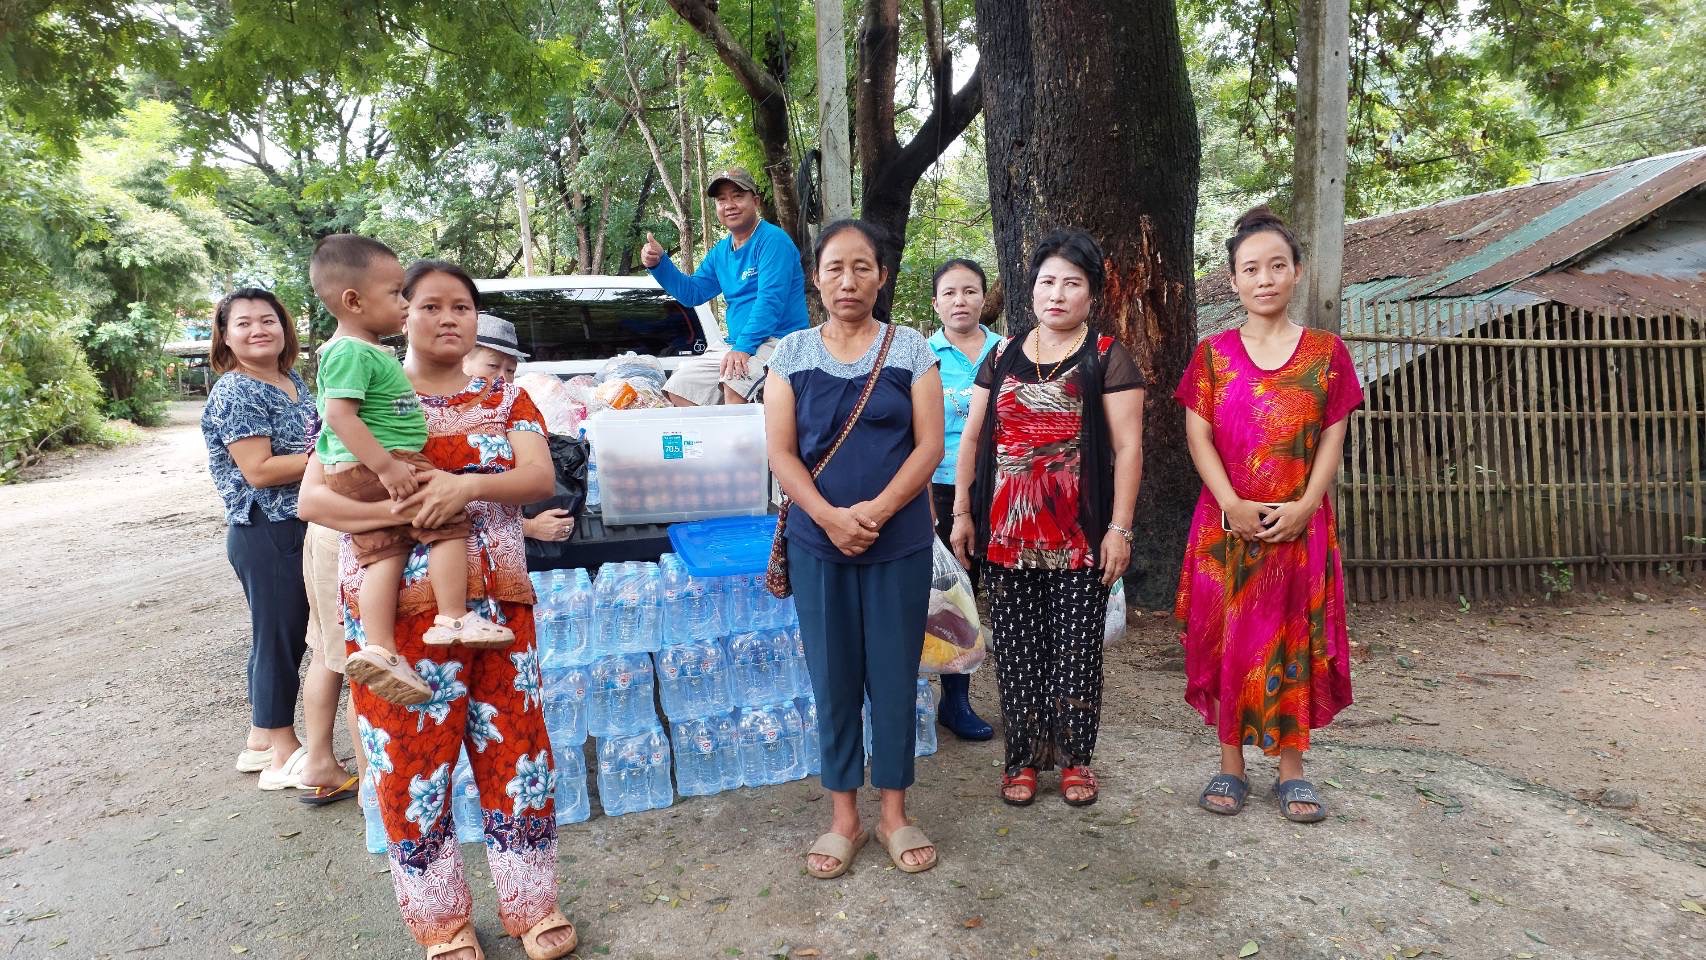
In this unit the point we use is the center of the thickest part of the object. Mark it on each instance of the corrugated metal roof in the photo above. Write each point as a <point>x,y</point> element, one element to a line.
<point>1466,249</point>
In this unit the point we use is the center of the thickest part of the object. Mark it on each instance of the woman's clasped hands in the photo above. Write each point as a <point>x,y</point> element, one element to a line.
<point>853,529</point>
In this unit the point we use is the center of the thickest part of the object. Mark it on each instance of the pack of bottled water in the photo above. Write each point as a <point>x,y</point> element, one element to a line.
<point>771,744</point>
<point>695,679</point>
<point>707,754</point>
<point>627,608</point>
<point>634,772</point>
<point>562,617</point>
<point>924,720</point>
<point>620,696</point>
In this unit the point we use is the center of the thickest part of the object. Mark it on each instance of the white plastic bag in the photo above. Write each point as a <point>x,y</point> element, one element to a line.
<point>563,413</point>
<point>1114,627</point>
<point>953,637</point>
<point>636,367</point>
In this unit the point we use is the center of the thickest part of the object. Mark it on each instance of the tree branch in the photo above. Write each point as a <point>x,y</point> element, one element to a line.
<point>760,84</point>
<point>908,165</point>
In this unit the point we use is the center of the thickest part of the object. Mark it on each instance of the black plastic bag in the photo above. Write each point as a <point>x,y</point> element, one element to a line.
<point>568,462</point>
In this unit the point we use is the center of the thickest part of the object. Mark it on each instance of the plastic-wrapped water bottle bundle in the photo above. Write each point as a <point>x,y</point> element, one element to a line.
<point>633,772</point>
<point>621,697</point>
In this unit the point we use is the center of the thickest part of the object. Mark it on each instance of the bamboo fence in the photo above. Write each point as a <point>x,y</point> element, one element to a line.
<point>1521,450</point>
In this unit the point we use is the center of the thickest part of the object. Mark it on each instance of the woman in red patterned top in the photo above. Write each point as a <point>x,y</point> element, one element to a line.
<point>1045,493</point>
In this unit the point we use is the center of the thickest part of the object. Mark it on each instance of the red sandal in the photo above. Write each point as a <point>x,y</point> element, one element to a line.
<point>1027,778</point>
<point>1078,777</point>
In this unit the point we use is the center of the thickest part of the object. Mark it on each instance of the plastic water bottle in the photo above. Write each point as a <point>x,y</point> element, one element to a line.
<point>770,745</point>
<point>707,755</point>
<point>760,673</point>
<point>810,744</point>
<point>693,679</point>
<point>604,626</point>
<point>465,803</point>
<point>568,687</point>
<point>799,674</point>
<point>673,579</point>
<point>648,592</point>
<point>633,772</point>
<point>790,615</point>
<point>621,699</point>
<point>924,719</point>
<point>575,607</point>
<point>368,797</point>
<point>592,499</point>
<point>573,805</point>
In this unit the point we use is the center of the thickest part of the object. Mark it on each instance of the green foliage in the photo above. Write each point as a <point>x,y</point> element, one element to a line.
<point>1446,98</point>
<point>146,260</point>
<point>48,394</point>
<point>950,219</point>
<point>62,63</point>
<point>1657,106</point>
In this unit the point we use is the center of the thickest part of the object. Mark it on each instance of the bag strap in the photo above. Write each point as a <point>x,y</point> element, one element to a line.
<point>852,419</point>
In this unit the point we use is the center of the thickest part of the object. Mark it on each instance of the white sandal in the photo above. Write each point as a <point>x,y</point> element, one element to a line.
<point>287,776</point>
<point>472,630</point>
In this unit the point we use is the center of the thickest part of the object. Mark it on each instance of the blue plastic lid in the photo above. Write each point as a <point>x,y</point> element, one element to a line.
<point>725,547</point>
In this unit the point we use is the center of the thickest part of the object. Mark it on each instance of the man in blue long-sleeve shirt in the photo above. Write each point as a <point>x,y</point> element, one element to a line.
<point>756,268</point>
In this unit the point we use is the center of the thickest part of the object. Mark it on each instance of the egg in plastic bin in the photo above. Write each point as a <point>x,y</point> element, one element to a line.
<point>953,637</point>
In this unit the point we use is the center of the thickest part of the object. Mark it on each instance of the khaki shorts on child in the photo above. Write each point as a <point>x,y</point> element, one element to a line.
<point>356,481</point>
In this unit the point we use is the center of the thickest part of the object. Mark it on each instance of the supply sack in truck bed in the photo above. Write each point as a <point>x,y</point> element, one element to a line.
<point>680,463</point>
<point>953,637</point>
<point>563,413</point>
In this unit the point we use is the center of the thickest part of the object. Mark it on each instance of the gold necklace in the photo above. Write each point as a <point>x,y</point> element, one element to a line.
<point>1037,348</point>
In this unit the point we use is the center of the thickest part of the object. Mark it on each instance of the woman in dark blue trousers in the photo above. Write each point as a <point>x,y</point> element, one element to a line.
<point>859,535</point>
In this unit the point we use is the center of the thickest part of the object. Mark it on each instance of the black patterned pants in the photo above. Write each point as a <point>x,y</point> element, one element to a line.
<point>1047,642</point>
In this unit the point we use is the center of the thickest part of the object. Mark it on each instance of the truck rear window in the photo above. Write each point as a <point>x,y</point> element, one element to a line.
<point>594,323</point>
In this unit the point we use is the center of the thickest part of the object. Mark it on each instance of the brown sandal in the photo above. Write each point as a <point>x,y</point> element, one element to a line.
<point>553,921</point>
<point>461,940</point>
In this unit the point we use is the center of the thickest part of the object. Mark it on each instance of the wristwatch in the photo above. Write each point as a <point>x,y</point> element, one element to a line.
<point>1122,531</point>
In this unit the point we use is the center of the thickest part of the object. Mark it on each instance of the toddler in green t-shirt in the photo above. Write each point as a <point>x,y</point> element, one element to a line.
<point>370,449</point>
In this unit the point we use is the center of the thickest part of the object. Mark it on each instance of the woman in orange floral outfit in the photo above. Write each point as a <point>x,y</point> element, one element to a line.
<point>487,439</point>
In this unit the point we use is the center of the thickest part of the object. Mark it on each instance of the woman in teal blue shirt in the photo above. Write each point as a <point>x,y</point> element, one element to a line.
<point>960,347</point>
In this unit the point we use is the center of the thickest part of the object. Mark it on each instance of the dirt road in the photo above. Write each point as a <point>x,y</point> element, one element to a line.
<point>1463,786</point>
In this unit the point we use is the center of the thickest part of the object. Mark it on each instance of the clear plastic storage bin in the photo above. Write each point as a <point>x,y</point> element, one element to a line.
<point>681,463</point>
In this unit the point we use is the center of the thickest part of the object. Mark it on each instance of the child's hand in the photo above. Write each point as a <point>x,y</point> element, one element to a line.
<point>399,480</point>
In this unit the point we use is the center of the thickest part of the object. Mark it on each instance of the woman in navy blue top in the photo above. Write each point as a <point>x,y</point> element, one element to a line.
<point>259,425</point>
<point>859,536</point>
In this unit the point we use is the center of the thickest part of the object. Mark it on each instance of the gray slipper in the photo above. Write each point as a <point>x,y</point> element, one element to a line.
<point>1227,785</point>
<point>1300,791</point>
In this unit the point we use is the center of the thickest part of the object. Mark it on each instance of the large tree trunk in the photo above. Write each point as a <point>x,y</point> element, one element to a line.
<point>1089,123</point>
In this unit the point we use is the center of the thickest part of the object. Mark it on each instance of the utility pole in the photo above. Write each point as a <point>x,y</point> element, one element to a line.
<point>1318,164</point>
<point>526,225</point>
<point>832,110</point>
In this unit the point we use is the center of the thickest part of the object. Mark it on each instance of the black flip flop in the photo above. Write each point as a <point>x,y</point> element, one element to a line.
<point>320,796</point>
<point>1300,791</point>
<point>1234,788</point>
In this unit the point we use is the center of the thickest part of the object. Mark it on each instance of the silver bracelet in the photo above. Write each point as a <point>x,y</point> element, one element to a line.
<point>1122,531</point>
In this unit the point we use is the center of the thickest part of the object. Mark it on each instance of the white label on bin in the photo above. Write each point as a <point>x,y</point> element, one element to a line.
<point>683,446</point>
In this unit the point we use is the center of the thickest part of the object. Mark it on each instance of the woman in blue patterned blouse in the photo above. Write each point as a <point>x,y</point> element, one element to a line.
<point>259,425</point>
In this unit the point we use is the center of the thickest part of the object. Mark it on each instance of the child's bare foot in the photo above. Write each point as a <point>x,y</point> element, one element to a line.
<point>389,676</point>
<point>471,630</point>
